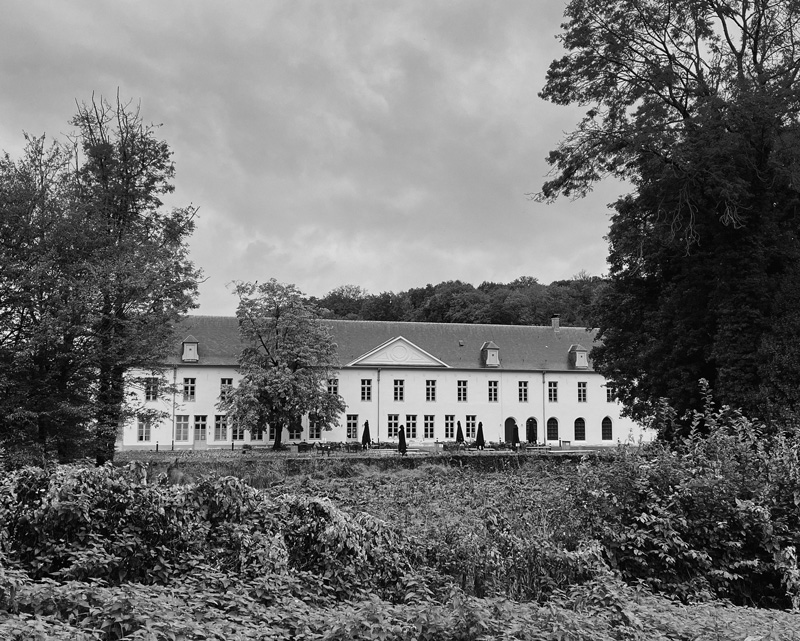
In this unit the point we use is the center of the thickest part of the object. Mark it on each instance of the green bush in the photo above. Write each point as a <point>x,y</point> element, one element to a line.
<point>354,553</point>
<point>713,515</point>
<point>225,561</point>
<point>79,523</point>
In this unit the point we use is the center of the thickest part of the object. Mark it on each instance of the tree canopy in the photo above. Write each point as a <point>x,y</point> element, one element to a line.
<point>94,273</point>
<point>695,104</point>
<point>524,301</point>
<point>286,362</point>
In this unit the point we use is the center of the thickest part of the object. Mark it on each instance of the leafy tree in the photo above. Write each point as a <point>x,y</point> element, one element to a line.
<point>94,276</point>
<point>386,306</point>
<point>144,280</point>
<point>451,302</point>
<point>286,363</point>
<point>573,299</point>
<point>44,339</point>
<point>344,302</point>
<point>695,104</point>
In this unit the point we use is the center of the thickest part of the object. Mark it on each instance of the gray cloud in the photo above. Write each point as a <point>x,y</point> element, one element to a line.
<point>381,144</point>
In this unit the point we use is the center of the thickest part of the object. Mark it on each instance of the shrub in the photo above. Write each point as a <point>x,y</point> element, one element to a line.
<point>354,554</point>
<point>716,514</point>
<point>77,523</point>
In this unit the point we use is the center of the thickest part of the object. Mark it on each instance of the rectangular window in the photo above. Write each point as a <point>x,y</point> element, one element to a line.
<point>151,388</point>
<point>295,430</point>
<point>314,427</point>
<point>411,426</point>
<point>225,387</point>
<point>366,389</point>
<point>200,427</point>
<point>462,391</point>
<point>552,391</point>
<point>427,426</point>
<point>610,395</point>
<point>471,426</point>
<point>493,387</point>
<point>392,423</point>
<point>143,432</point>
<point>581,392</point>
<point>449,426</point>
<point>523,391</point>
<point>333,386</point>
<point>182,427</point>
<point>430,391</point>
<point>399,389</point>
<point>220,427</point>
<point>237,433</point>
<point>189,389</point>
<point>272,433</point>
<point>352,426</point>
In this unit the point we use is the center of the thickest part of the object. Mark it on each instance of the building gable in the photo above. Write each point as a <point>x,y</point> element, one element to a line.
<point>397,352</point>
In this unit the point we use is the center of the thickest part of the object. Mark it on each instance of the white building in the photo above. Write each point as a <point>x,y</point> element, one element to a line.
<point>427,377</point>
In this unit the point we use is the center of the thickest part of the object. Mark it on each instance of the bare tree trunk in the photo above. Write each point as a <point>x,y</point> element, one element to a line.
<point>278,433</point>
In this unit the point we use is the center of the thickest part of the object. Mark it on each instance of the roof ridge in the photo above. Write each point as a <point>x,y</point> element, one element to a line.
<point>406,322</point>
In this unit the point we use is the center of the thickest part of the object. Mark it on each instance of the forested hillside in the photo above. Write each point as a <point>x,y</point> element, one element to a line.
<point>524,301</point>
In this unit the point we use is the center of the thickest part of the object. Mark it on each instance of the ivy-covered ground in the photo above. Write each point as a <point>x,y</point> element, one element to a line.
<point>655,544</point>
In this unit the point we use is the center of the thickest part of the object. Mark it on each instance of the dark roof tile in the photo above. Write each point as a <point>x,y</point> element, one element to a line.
<point>522,347</point>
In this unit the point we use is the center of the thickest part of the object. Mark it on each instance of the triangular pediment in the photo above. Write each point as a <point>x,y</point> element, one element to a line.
<point>397,352</point>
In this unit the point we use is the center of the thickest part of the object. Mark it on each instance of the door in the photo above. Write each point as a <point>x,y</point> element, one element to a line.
<point>531,430</point>
<point>200,429</point>
<point>509,430</point>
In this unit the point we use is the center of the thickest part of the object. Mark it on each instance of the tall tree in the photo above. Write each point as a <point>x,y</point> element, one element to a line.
<point>94,275</point>
<point>142,278</point>
<point>44,340</point>
<point>344,302</point>
<point>386,306</point>
<point>695,103</point>
<point>286,363</point>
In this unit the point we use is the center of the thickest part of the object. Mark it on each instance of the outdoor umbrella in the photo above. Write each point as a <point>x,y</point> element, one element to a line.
<point>401,440</point>
<point>459,434</point>
<point>479,440</point>
<point>515,438</point>
<point>365,437</point>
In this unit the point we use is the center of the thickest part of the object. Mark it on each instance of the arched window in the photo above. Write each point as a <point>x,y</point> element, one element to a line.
<point>552,429</point>
<point>607,432</point>
<point>580,429</point>
<point>531,430</point>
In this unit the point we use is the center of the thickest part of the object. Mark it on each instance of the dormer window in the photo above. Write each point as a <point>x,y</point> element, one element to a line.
<point>490,355</point>
<point>578,357</point>
<point>189,352</point>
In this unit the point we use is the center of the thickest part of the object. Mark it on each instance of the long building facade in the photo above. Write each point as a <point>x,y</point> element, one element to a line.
<point>426,377</point>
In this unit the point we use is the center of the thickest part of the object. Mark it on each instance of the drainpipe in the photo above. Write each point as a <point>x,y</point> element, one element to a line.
<point>378,421</point>
<point>174,392</point>
<point>500,392</point>
<point>544,425</point>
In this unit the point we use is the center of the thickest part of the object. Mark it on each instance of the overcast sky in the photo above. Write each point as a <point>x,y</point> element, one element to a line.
<point>384,144</point>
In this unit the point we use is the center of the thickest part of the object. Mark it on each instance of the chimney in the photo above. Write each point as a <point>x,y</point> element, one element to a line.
<point>554,321</point>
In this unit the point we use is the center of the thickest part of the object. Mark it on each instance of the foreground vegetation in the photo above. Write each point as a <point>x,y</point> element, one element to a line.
<point>638,544</point>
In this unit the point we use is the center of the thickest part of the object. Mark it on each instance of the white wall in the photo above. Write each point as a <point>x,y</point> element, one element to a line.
<point>493,415</point>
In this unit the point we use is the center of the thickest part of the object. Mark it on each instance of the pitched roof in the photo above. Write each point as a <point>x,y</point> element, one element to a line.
<point>522,347</point>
